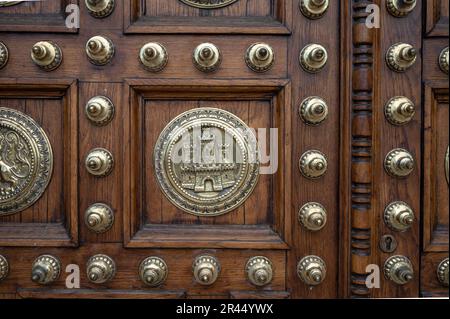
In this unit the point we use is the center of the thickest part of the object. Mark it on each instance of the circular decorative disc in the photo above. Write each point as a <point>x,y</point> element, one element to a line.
<point>26,161</point>
<point>206,161</point>
<point>208,4</point>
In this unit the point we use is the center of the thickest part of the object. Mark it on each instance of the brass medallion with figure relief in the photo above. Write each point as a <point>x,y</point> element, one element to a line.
<point>208,4</point>
<point>206,161</point>
<point>26,161</point>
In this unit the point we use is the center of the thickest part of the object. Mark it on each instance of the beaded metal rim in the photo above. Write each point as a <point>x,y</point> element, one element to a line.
<point>208,4</point>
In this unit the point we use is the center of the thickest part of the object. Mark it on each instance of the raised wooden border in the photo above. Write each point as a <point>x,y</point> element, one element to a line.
<point>436,22</point>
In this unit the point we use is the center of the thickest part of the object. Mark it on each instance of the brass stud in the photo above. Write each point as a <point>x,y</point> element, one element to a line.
<point>100,8</point>
<point>443,60</point>
<point>47,55</point>
<point>313,164</point>
<point>312,216</point>
<point>313,58</point>
<point>260,57</point>
<point>100,269</point>
<point>153,271</point>
<point>442,272</point>
<point>401,56</point>
<point>4,268</point>
<point>99,162</point>
<point>400,8</point>
<point>207,57</point>
<point>153,57</point>
<point>312,270</point>
<point>46,270</point>
<point>4,55</point>
<point>313,110</point>
<point>206,270</point>
<point>399,216</point>
<point>99,218</point>
<point>100,110</point>
<point>259,271</point>
<point>399,163</point>
<point>399,110</point>
<point>314,9</point>
<point>100,50</point>
<point>399,270</point>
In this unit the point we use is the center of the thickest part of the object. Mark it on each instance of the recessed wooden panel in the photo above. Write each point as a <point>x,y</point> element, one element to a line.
<point>429,283</point>
<point>174,16</point>
<point>437,18</point>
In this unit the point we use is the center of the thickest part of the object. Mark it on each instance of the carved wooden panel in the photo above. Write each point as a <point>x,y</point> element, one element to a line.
<point>437,13</point>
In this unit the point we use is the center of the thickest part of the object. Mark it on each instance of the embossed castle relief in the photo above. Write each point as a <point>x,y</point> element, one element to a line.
<point>206,161</point>
<point>26,161</point>
<point>208,4</point>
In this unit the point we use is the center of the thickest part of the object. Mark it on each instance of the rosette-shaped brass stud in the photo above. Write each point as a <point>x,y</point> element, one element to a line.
<point>46,269</point>
<point>260,57</point>
<point>4,55</point>
<point>442,272</point>
<point>153,271</point>
<point>100,50</point>
<point>47,55</point>
<point>401,56</point>
<point>313,9</point>
<point>99,218</point>
<point>312,270</point>
<point>101,269</point>
<point>400,8</point>
<point>100,110</point>
<point>4,267</point>
<point>99,162</point>
<point>399,270</point>
<point>313,58</point>
<point>100,8</point>
<point>399,110</point>
<point>153,57</point>
<point>206,269</point>
<point>443,60</point>
<point>399,163</point>
<point>259,271</point>
<point>207,57</point>
<point>313,110</point>
<point>313,164</point>
<point>312,216</point>
<point>399,216</point>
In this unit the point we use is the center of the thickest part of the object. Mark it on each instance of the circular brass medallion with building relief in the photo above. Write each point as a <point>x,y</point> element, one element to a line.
<point>26,161</point>
<point>208,4</point>
<point>206,161</point>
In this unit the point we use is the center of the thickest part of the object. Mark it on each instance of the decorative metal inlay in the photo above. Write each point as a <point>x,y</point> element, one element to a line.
<point>206,161</point>
<point>26,161</point>
<point>208,4</point>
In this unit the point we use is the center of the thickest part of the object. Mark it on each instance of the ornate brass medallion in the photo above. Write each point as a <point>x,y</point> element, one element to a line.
<point>208,4</point>
<point>206,161</point>
<point>26,161</point>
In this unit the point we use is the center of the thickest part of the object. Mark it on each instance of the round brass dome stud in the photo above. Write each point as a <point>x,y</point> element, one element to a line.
<point>314,9</point>
<point>99,162</point>
<point>46,269</point>
<point>313,58</point>
<point>312,216</point>
<point>313,164</point>
<point>47,55</point>
<point>207,57</point>
<point>4,268</point>
<point>442,272</point>
<point>4,55</point>
<point>399,163</point>
<point>260,57</point>
<point>399,270</point>
<point>443,60</point>
<point>206,269</point>
<point>153,271</point>
<point>99,218</point>
<point>401,56</point>
<point>153,57</point>
<point>400,8</point>
<point>100,110</point>
<point>399,110</point>
<point>399,216</point>
<point>100,50</point>
<point>259,271</point>
<point>312,270</point>
<point>100,8</point>
<point>100,269</point>
<point>313,110</point>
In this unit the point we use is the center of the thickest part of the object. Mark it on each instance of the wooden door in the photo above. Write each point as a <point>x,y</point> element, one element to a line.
<point>96,97</point>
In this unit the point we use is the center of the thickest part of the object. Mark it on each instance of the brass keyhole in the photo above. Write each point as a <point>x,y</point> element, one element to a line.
<point>388,244</point>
